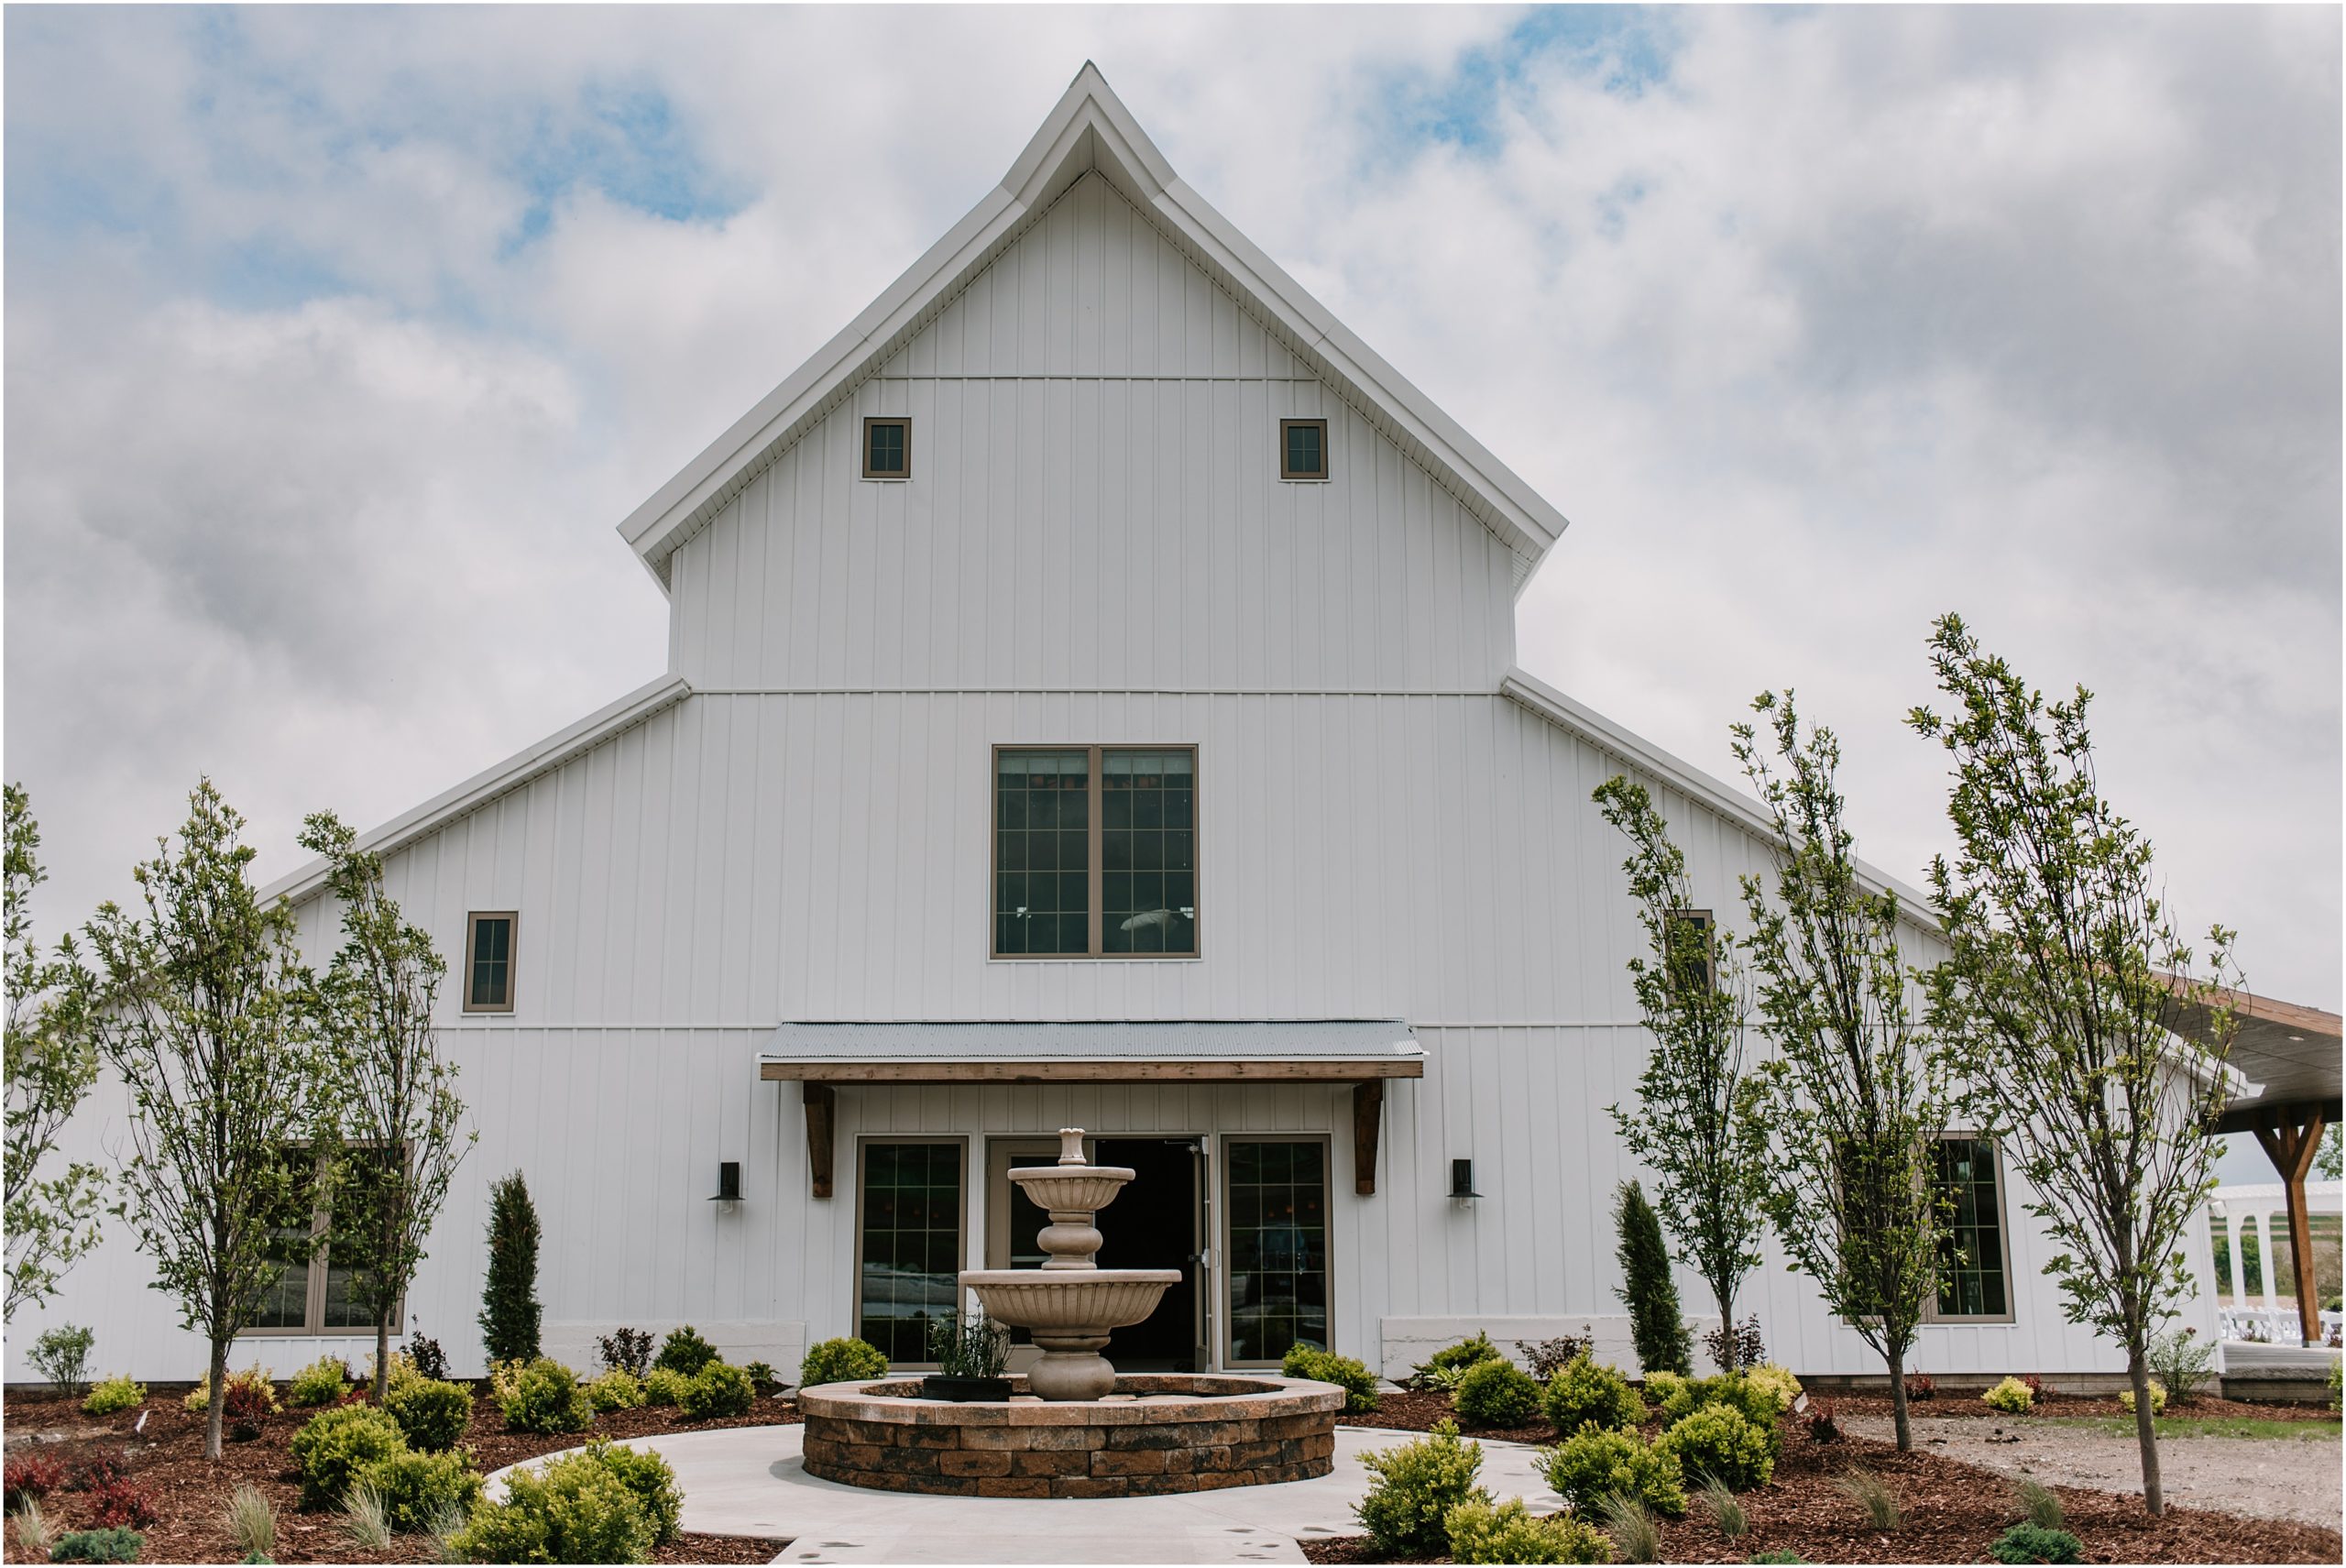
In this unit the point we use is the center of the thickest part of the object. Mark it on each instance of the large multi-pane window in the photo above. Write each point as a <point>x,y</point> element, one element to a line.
<point>310,1294</point>
<point>1971,1268</point>
<point>1277,1202</point>
<point>1095,852</point>
<point>908,1248</point>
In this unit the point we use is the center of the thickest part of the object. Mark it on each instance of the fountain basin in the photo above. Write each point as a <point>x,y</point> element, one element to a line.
<point>1069,1301</point>
<point>1156,1433</point>
<point>1071,1189</point>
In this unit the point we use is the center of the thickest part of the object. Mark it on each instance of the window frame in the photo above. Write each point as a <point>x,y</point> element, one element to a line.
<point>906,420</point>
<point>1095,876</point>
<point>1931,1314</point>
<point>1708,921</point>
<point>1293,476</point>
<point>512,957</point>
<point>1225,1346</point>
<point>313,1298</point>
<point>864,1143</point>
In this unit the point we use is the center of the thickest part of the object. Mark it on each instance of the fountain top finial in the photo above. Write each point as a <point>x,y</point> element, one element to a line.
<point>1071,1146</point>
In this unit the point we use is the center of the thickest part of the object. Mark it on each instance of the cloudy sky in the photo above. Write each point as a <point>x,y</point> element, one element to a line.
<point>337,341</point>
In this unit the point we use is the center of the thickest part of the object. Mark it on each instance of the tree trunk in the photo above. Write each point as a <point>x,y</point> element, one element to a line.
<point>1897,1358</point>
<point>219,1400</point>
<point>2138,1372</point>
<point>1726,1330</point>
<point>382,1355</point>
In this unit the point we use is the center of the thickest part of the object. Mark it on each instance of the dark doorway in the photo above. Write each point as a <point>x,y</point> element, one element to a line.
<point>1153,1224</point>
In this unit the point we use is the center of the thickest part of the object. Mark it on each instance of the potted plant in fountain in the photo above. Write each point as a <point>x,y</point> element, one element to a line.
<point>971,1352</point>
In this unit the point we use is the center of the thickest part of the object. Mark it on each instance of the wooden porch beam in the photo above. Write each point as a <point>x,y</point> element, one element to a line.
<point>1368,1121</point>
<point>822,1100</point>
<point>2291,1145</point>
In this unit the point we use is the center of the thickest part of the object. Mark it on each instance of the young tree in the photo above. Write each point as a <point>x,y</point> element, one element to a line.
<point>398,1112</point>
<point>509,1300</point>
<point>1857,1089</point>
<point>1657,1326</point>
<point>200,1009</point>
<point>2065,992</point>
<point>1691,1126</point>
<point>52,1062</point>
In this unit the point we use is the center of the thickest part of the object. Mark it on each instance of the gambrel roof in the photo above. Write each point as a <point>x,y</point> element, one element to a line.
<point>1091,131</point>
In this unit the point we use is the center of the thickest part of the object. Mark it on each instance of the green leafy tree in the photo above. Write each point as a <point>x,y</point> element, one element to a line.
<point>52,1060</point>
<point>399,1116</point>
<point>508,1303</point>
<point>1692,1125</point>
<point>2329,1157</point>
<point>200,1007</point>
<point>1656,1324</point>
<point>2066,992</point>
<point>1857,1089</point>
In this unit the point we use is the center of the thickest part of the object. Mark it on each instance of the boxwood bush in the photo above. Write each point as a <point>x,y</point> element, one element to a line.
<point>1510,1532</point>
<point>840,1361</point>
<point>334,1445</point>
<point>648,1475</point>
<point>1358,1382</point>
<point>1586,1390</point>
<point>2011,1395</point>
<point>618,1389</point>
<point>432,1415</point>
<point>114,1394</point>
<point>1497,1394</point>
<point>572,1509</point>
<point>319,1383</point>
<point>421,1489</point>
<point>546,1398</point>
<point>665,1388</point>
<point>717,1391</point>
<point>1596,1461</point>
<point>684,1351</point>
<point>1408,1507</point>
<point>1722,1441</point>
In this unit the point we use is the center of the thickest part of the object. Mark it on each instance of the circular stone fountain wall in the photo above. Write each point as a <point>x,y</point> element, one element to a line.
<point>1153,1434</point>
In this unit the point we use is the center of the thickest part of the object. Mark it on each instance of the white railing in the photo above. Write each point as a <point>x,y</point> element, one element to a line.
<point>2262,1210</point>
<point>2261,1325</point>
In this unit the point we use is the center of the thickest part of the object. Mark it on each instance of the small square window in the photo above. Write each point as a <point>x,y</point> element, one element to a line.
<point>887,448</point>
<point>1303,449</point>
<point>488,962</point>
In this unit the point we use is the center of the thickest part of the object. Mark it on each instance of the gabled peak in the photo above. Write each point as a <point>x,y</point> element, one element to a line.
<point>1089,130</point>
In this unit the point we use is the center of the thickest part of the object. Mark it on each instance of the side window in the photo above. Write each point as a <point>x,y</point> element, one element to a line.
<point>908,1242</point>
<point>488,961</point>
<point>887,449</point>
<point>1303,449</point>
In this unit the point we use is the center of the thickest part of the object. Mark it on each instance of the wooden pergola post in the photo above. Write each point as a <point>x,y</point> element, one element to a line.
<point>2289,1140</point>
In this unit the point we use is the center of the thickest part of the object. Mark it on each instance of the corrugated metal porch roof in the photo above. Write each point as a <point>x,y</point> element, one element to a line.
<point>1328,1049</point>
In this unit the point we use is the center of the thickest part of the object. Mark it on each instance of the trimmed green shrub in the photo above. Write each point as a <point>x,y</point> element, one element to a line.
<point>618,1389</point>
<point>1657,1325</point>
<point>1586,1390</point>
<point>2011,1395</point>
<point>840,1361</point>
<point>684,1351</point>
<point>1595,1461</point>
<point>116,1545</point>
<point>1777,1382</point>
<point>2183,1362</point>
<point>2158,1397</point>
<point>572,1509</point>
<point>1445,1366</point>
<point>433,1416</point>
<point>546,1398</point>
<point>650,1478</point>
<point>665,1388</point>
<point>319,1383</point>
<point>1416,1487</point>
<point>717,1391</point>
<point>1497,1394</point>
<point>1358,1382</point>
<point>1662,1388</point>
<point>114,1394</point>
<point>334,1445</point>
<point>418,1490</point>
<point>509,1299</point>
<point>2029,1543</point>
<point>1510,1532</point>
<point>1721,1440</point>
<point>1755,1402</point>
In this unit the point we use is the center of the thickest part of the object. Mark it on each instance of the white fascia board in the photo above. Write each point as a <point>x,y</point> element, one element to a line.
<point>1614,741</point>
<point>307,880</point>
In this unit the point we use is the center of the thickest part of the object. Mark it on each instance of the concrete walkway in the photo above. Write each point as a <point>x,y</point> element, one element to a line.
<point>751,1481</point>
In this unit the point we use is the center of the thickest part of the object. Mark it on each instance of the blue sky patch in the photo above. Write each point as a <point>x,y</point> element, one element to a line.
<point>1627,49</point>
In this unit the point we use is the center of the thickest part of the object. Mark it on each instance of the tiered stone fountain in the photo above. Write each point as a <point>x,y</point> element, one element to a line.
<point>1076,1430</point>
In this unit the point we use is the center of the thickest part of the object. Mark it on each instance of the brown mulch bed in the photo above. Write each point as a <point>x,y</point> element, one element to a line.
<point>2202,1408</point>
<point>1953,1510</point>
<point>190,1493</point>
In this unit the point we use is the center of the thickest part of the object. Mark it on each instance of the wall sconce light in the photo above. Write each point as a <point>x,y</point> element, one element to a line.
<point>728,1183</point>
<point>1461,1183</point>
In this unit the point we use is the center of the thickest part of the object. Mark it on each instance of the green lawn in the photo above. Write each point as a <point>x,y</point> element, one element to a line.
<point>2219,1426</point>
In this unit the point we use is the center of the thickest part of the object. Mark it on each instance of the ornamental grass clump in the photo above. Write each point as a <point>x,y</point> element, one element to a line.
<point>250,1521</point>
<point>1721,1440</point>
<point>840,1361</point>
<point>546,1398</point>
<point>1481,1532</point>
<point>35,1535</point>
<point>334,1445</point>
<point>432,1415</point>
<point>1595,1461</point>
<point>1873,1497</point>
<point>1636,1534</point>
<point>2011,1395</point>
<point>1726,1512</point>
<point>1497,1394</point>
<point>2028,1543</point>
<point>717,1391</point>
<point>1320,1365</point>
<point>365,1518</point>
<point>2039,1504</point>
<point>1416,1485</point>
<point>1587,1391</point>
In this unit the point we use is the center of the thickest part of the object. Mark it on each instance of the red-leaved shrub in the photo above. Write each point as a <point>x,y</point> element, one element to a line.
<point>1919,1386</point>
<point>2034,1383</point>
<point>1819,1419</point>
<point>120,1503</point>
<point>33,1476</point>
<point>99,1471</point>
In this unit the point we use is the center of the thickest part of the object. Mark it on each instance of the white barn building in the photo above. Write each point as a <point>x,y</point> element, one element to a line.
<point>1091,701</point>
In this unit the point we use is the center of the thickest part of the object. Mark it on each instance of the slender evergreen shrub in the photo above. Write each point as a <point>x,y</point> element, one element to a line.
<point>1586,1390</point>
<point>1656,1324</point>
<point>1497,1394</point>
<point>1595,1461</point>
<point>508,1301</point>
<point>1508,1533</point>
<point>1408,1505</point>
